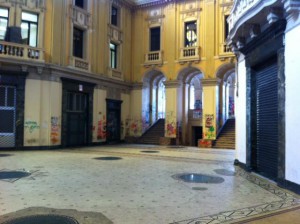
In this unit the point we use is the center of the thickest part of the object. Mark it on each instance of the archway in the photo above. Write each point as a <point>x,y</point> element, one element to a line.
<point>226,73</point>
<point>153,98</point>
<point>191,91</point>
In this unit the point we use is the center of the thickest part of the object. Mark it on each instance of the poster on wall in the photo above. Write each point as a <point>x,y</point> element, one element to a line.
<point>209,132</point>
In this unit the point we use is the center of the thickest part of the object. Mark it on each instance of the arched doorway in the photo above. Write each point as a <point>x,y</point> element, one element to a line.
<point>226,73</point>
<point>154,100</point>
<point>190,80</point>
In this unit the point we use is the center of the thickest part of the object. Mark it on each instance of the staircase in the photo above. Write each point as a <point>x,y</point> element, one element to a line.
<point>152,135</point>
<point>226,138</point>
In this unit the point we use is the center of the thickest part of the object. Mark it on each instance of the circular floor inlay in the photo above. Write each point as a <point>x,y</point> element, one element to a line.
<point>43,219</point>
<point>13,174</point>
<point>108,158</point>
<point>5,155</point>
<point>225,172</point>
<point>198,178</point>
<point>150,151</point>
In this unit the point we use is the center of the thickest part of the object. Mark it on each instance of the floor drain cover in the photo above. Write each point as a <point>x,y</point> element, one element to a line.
<point>108,158</point>
<point>150,151</point>
<point>225,172</point>
<point>198,178</point>
<point>199,188</point>
<point>43,219</point>
<point>13,174</point>
<point>5,155</point>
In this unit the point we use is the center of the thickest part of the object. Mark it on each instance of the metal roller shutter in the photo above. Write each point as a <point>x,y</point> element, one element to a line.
<point>267,120</point>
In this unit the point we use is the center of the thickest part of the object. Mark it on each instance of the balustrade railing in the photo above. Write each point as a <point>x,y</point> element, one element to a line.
<point>19,51</point>
<point>190,53</point>
<point>153,57</point>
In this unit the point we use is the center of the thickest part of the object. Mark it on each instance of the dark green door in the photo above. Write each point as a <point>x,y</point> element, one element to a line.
<point>113,123</point>
<point>77,119</point>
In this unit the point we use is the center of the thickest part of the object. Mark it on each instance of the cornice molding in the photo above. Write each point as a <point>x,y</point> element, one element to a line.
<point>211,82</point>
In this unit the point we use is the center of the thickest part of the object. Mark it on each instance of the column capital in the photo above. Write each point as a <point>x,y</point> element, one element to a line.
<point>172,84</point>
<point>210,82</point>
<point>138,85</point>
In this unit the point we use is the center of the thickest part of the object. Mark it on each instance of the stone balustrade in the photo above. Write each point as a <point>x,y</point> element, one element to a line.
<point>20,51</point>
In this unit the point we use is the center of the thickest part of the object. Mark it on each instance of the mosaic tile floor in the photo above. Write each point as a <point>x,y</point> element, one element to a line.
<point>138,188</point>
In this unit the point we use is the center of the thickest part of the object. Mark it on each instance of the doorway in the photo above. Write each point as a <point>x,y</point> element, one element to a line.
<point>113,123</point>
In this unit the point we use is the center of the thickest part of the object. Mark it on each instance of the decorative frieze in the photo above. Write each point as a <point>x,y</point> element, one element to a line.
<point>190,10</point>
<point>26,4</point>
<point>291,6</point>
<point>80,63</point>
<point>114,73</point>
<point>155,16</point>
<point>115,34</point>
<point>80,17</point>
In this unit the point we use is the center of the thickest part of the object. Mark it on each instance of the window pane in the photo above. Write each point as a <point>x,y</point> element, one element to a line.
<point>113,55</point>
<point>78,43</point>
<point>2,96</point>
<point>4,12</point>
<point>79,3</point>
<point>3,26</point>
<point>11,97</point>
<point>29,17</point>
<point>114,16</point>
<point>226,28</point>
<point>33,35</point>
<point>191,34</point>
<point>155,39</point>
<point>6,125</point>
<point>24,32</point>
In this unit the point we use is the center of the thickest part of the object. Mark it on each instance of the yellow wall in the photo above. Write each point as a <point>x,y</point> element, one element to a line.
<point>171,18</point>
<point>42,122</point>
<point>99,116</point>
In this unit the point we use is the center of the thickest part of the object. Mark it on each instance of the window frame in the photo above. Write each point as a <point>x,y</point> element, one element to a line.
<point>188,43</point>
<point>226,27</point>
<point>152,46</point>
<point>29,23</point>
<point>113,55</point>
<point>114,19</point>
<point>7,21</point>
<point>75,46</point>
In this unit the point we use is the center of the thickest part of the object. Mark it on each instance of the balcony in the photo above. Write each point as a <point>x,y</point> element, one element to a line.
<point>154,58</point>
<point>226,48</point>
<point>190,54</point>
<point>21,52</point>
<point>225,52</point>
<point>80,63</point>
<point>114,73</point>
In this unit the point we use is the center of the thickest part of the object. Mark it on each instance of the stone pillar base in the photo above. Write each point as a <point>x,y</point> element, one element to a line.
<point>167,141</point>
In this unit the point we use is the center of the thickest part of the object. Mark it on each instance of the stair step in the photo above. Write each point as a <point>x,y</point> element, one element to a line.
<point>226,138</point>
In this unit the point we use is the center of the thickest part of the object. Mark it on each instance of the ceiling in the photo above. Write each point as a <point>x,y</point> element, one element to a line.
<point>141,2</point>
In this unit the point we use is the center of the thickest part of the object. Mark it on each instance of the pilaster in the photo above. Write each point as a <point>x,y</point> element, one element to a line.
<point>210,108</point>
